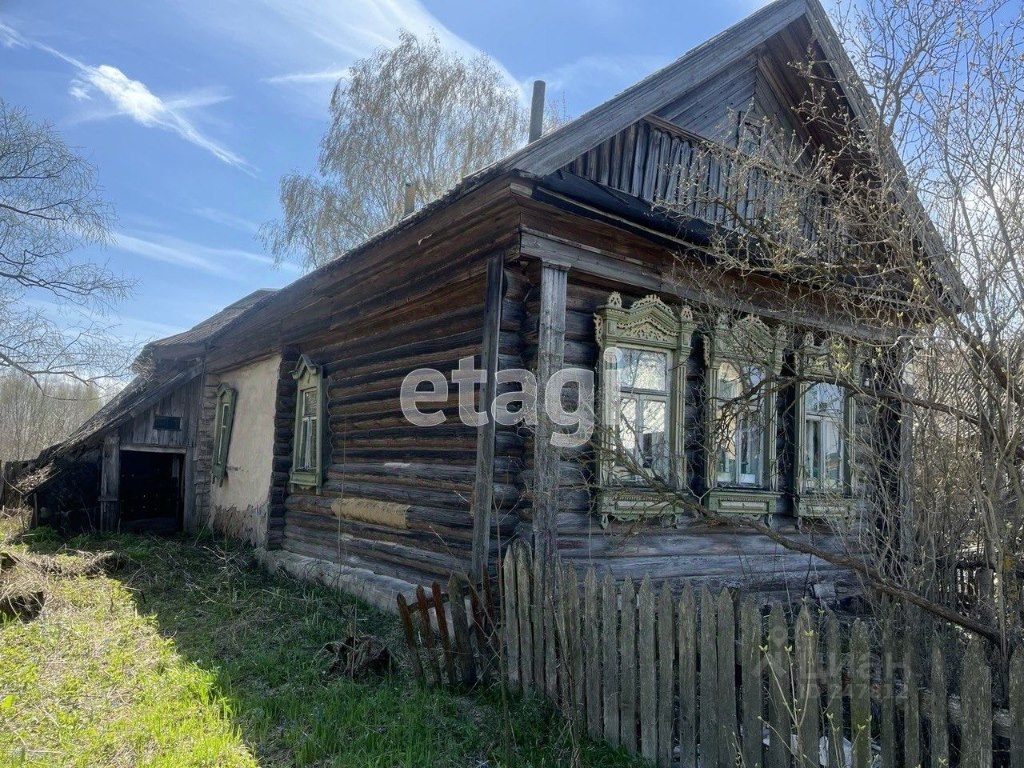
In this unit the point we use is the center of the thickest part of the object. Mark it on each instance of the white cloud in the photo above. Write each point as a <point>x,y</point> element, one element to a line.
<point>133,99</point>
<point>323,76</point>
<point>183,253</point>
<point>226,219</point>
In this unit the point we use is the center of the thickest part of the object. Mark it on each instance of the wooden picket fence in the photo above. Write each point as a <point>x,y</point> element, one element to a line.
<point>452,634</point>
<point>680,677</point>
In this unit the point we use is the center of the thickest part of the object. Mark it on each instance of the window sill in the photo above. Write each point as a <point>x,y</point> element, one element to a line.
<point>309,481</point>
<point>749,502</point>
<point>824,506</point>
<point>633,504</point>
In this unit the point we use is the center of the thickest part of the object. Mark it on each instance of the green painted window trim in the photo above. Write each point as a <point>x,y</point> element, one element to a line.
<point>308,376</point>
<point>223,422</point>
<point>648,325</point>
<point>826,360</point>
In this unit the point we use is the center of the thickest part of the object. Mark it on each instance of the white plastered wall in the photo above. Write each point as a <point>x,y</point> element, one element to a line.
<point>240,505</point>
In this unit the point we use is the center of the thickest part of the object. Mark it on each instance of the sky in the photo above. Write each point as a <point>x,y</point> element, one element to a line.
<point>191,110</point>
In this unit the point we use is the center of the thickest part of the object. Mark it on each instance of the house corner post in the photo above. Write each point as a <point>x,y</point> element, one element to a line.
<point>483,490</point>
<point>546,455</point>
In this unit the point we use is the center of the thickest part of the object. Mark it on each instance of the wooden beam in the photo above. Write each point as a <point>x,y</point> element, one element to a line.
<point>110,483</point>
<point>147,448</point>
<point>483,490</point>
<point>550,358</point>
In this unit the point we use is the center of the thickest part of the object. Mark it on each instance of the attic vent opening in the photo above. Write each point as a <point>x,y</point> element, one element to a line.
<point>167,423</point>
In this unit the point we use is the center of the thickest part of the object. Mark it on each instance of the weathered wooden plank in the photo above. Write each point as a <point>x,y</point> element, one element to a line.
<point>483,489</point>
<point>483,629</point>
<point>887,697</point>
<point>807,690</point>
<point>524,597</point>
<point>834,700</point>
<point>427,633</point>
<point>591,619</point>
<point>728,728</point>
<point>648,674</point>
<point>410,639</point>
<point>860,695</point>
<point>1016,696</point>
<point>938,727</point>
<point>976,700</point>
<point>751,683</point>
<point>461,633</point>
<point>552,598</point>
<point>562,614</point>
<point>709,732</point>
<point>442,631</point>
<point>780,690</point>
<point>627,667</point>
<point>537,619</point>
<point>546,455</point>
<point>510,620</point>
<point>610,659</point>
<point>686,625</point>
<point>666,658</point>
<point>912,702</point>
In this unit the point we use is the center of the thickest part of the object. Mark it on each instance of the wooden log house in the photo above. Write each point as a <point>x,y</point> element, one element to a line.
<point>296,439</point>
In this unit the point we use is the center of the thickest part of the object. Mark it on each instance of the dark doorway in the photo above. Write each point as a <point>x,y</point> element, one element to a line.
<point>152,491</point>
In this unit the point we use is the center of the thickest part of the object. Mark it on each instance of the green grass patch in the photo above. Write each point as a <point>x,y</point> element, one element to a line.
<point>192,656</point>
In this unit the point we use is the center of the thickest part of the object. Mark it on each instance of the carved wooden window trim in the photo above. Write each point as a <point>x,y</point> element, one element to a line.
<point>826,360</point>
<point>648,326</point>
<point>307,443</point>
<point>223,421</point>
<point>743,342</point>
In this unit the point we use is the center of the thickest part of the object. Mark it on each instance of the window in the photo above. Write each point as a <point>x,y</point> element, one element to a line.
<point>306,453</point>
<point>644,353</point>
<point>825,416</point>
<point>222,430</point>
<point>741,424</point>
<point>824,446</point>
<point>744,360</point>
<point>643,432</point>
<point>167,423</point>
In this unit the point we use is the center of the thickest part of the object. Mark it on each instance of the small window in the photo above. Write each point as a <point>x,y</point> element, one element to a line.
<point>824,458</point>
<point>167,423</point>
<point>643,414</point>
<point>222,430</point>
<point>741,425</point>
<point>307,464</point>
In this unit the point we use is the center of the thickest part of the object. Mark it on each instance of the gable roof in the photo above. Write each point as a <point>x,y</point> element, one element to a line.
<point>699,65</point>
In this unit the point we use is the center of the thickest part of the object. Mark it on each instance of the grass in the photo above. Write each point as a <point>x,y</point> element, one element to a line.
<point>192,656</point>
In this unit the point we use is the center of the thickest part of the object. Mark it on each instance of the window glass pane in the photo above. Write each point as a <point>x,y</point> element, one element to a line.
<point>643,369</point>
<point>750,449</point>
<point>824,448</point>
<point>309,402</point>
<point>302,460</point>
<point>832,454</point>
<point>740,428</point>
<point>654,439</point>
<point>812,450</point>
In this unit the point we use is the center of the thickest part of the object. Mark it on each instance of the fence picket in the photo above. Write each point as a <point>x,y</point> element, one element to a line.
<point>443,636</point>
<point>540,631</point>
<point>887,696</point>
<point>912,708</point>
<point>1016,694</point>
<point>524,594</point>
<point>686,623</point>
<point>976,700</point>
<point>708,718</point>
<point>805,641</point>
<point>728,729</point>
<point>410,639</point>
<point>939,711</point>
<point>610,659</point>
<point>510,624</point>
<point>648,683</point>
<point>551,590</point>
<point>427,633</point>
<point>666,657</point>
<point>751,683</point>
<point>860,695</point>
<point>572,590</point>
<point>834,706</point>
<point>561,612</point>
<point>461,633</point>
<point>592,653</point>
<point>780,690</point>
<point>627,667</point>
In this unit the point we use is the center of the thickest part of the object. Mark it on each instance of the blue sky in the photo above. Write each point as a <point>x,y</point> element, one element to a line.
<point>192,110</point>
